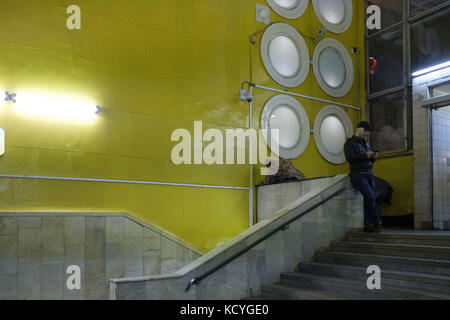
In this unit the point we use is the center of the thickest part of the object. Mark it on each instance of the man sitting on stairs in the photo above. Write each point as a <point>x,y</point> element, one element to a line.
<point>361,158</point>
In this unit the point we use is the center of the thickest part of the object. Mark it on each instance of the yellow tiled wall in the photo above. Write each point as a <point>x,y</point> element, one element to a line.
<point>154,66</point>
<point>399,172</point>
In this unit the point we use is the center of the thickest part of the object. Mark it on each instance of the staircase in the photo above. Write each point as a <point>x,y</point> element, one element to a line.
<point>414,265</point>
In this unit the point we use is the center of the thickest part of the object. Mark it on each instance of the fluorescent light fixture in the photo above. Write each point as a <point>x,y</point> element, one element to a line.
<point>2,142</point>
<point>432,69</point>
<point>57,107</point>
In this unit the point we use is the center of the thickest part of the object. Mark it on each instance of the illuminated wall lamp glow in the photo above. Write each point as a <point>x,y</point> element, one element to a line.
<point>10,96</point>
<point>432,69</point>
<point>2,142</point>
<point>56,107</point>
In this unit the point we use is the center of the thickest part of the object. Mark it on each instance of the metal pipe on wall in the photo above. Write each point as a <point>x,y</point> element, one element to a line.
<point>308,97</point>
<point>252,85</point>
<point>14,176</point>
<point>250,160</point>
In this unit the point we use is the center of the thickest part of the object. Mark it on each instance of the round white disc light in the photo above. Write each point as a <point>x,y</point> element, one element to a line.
<point>286,114</point>
<point>333,68</point>
<point>333,134</point>
<point>332,128</point>
<point>289,9</point>
<point>285,120</point>
<point>335,15</point>
<point>285,55</point>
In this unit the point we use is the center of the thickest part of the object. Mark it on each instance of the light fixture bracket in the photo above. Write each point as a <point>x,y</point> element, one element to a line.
<point>262,14</point>
<point>10,96</point>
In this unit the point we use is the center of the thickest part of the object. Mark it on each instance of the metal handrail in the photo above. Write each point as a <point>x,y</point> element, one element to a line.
<point>284,226</point>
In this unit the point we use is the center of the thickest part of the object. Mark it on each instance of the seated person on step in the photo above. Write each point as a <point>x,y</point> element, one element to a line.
<point>287,172</point>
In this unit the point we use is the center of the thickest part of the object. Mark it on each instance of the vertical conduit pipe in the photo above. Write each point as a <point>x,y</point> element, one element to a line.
<point>250,159</point>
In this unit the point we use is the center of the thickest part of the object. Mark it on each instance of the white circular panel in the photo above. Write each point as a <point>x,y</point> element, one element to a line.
<point>287,4</point>
<point>286,121</point>
<point>332,128</point>
<point>285,55</point>
<point>335,15</point>
<point>286,114</point>
<point>333,67</point>
<point>332,134</point>
<point>289,9</point>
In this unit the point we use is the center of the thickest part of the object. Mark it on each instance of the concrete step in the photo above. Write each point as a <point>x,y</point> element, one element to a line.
<point>388,262</point>
<point>431,238</point>
<point>413,280</point>
<point>393,249</point>
<point>284,292</point>
<point>260,298</point>
<point>414,266</point>
<point>355,288</point>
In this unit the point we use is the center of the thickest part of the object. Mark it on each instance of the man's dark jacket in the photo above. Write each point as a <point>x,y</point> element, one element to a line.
<point>356,149</point>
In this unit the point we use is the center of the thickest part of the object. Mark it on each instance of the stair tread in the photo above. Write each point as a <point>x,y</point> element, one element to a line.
<point>389,271</point>
<point>395,237</point>
<point>330,279</point>
<point>415,264</point>
<point>384,244</point>
<point>389,257</point>
<point>260,298</point>
<point>311,293</point>
<point>405,234</point>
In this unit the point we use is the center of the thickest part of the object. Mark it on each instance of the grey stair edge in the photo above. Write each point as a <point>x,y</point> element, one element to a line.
<point>311,293</point>
<point>391,245</point>
<point>402,279</point>
<point>436,254</point>
<point>426,242</point>
<point>390,257</point>
<point>337,281</point>
<point>384,271</point>
<point>400,235</point>
<point>400,263</point>
<point>378,237</point>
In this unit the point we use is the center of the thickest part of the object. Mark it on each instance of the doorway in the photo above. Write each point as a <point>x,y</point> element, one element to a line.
<point>440,167</point>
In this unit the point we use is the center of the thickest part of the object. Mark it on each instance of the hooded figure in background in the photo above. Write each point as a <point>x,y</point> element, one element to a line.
<point>287,172</point>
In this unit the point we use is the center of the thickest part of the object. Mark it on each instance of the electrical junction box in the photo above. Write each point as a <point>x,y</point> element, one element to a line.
<point>2,142</point>
<point>262,14</point>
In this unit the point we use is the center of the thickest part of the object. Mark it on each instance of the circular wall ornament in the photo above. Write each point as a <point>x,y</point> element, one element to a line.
<point>289,9</point>
<point>333,67</point>
<point>332,128</point>
<point>335,15</point>
<point>285,55</point>
<point>286,114</point>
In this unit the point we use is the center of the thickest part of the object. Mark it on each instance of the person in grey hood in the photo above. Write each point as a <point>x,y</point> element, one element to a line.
<point>361,158</point>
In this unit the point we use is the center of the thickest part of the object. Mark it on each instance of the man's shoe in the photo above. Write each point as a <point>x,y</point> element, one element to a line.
<point>376,230</point>
<point>369,229</point>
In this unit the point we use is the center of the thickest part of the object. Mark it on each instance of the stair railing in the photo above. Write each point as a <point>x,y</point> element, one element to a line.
<point>284,226</point>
